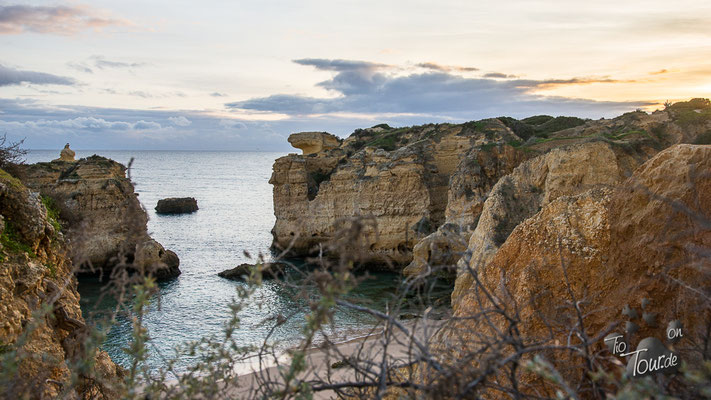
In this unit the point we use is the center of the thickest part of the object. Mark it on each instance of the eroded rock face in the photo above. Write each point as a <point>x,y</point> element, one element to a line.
<point>469,187</point>
<point>313,142</point>
<point>403,191</point>
<point>437,253</point>
<point>411,181</point>
<point>567,170</point>
<point>644,238</point>
<point>103,219</point>
<point>35,271</point>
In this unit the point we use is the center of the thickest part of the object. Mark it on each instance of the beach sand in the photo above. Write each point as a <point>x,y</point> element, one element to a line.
<point>395,344</point>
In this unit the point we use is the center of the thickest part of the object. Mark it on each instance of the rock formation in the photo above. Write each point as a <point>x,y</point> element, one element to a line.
<point>66,154</point>
<point>314,142</point>
<point>101,215</point>
<point>566,170</point>
<point>397,177</point>
<point>409,182</point>
<point>42,326</point>
<point>269,270</point>
<point>177,205</point>
<point>647,237</point>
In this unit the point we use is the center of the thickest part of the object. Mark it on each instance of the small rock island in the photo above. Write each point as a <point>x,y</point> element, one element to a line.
<point>177,205</point>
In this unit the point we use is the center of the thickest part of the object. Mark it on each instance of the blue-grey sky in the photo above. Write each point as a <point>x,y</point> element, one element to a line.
<point>227,75</point>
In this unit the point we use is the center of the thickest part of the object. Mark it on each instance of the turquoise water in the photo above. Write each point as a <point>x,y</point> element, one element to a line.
<point>236,214</point>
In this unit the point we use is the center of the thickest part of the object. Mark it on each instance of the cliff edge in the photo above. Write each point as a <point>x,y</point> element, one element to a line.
<point>102,218</point>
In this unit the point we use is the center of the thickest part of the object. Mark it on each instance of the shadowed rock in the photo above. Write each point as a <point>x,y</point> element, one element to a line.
<point>243,271</point>
<point>177,205</point>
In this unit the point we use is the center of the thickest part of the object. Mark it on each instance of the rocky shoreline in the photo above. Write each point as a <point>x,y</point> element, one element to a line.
<point>421,184</point>
<point>501,205</point>
<point>532,211</point>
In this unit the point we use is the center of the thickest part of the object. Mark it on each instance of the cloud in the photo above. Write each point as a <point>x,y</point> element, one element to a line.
<point>218,94</point>
<point>140,93</point>
<point>147,95</point>
<point>64,20</point>
<point>446,68</point>
<point>661,71</point>
<point>232,124</point>
<point>81,67</point>
<point>563,82</point>
<point>48,127</point>
<point>93,124</point>
<point>10,76</point>
<point>499,75</point>
<point>145,125</point>
<point>369,88</point>
<point>102,63</point>
<point>180,121</point>
<point>340,65</point>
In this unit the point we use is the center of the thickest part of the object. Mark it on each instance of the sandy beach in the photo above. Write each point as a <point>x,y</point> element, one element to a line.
<point>328,364</point>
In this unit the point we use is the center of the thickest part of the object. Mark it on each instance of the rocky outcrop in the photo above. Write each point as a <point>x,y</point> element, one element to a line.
<point>269,270</point>
<point>397,178</point>
<point>408,182</point>
<point>313,142</point>
<point>176,205</point>
<point>647,237</point>
<point>563,171</point>
<point>42,329</point>
<point>66,155</point>
<point>152,258</point>
<point>100,212</point>
<point>470,184</point>
<point>438,253</point>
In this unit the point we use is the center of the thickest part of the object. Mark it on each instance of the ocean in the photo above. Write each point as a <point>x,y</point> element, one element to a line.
<point>236,214</point>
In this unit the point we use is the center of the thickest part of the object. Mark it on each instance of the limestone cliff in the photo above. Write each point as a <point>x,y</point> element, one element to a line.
<point>411,181</point>
<point>595,154</point>
<point>42,326</point>
<point>399,177</point>
<point>102,217</point>
<point>647,237</point>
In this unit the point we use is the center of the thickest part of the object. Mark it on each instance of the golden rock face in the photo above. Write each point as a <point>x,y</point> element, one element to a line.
<point>618,244</point>
<point>313,142</point>
<point>35,274</point>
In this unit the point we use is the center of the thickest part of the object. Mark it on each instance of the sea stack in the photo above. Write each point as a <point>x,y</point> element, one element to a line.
<point>66,154</point>
<point>177,205</point>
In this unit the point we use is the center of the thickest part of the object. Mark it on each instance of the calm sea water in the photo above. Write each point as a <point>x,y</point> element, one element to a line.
<point>236,214</point>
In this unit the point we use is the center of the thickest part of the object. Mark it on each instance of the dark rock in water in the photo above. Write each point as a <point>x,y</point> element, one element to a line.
<point>242,271</point>
<point>177,205</point>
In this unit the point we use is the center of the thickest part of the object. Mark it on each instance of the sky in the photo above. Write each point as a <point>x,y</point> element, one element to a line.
<point>243,75</point>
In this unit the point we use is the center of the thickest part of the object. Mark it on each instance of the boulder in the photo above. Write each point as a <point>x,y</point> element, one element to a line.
<point>438,252</point>
<point>177,205</point>
<point>270,270</point>
<point>154,259</point>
